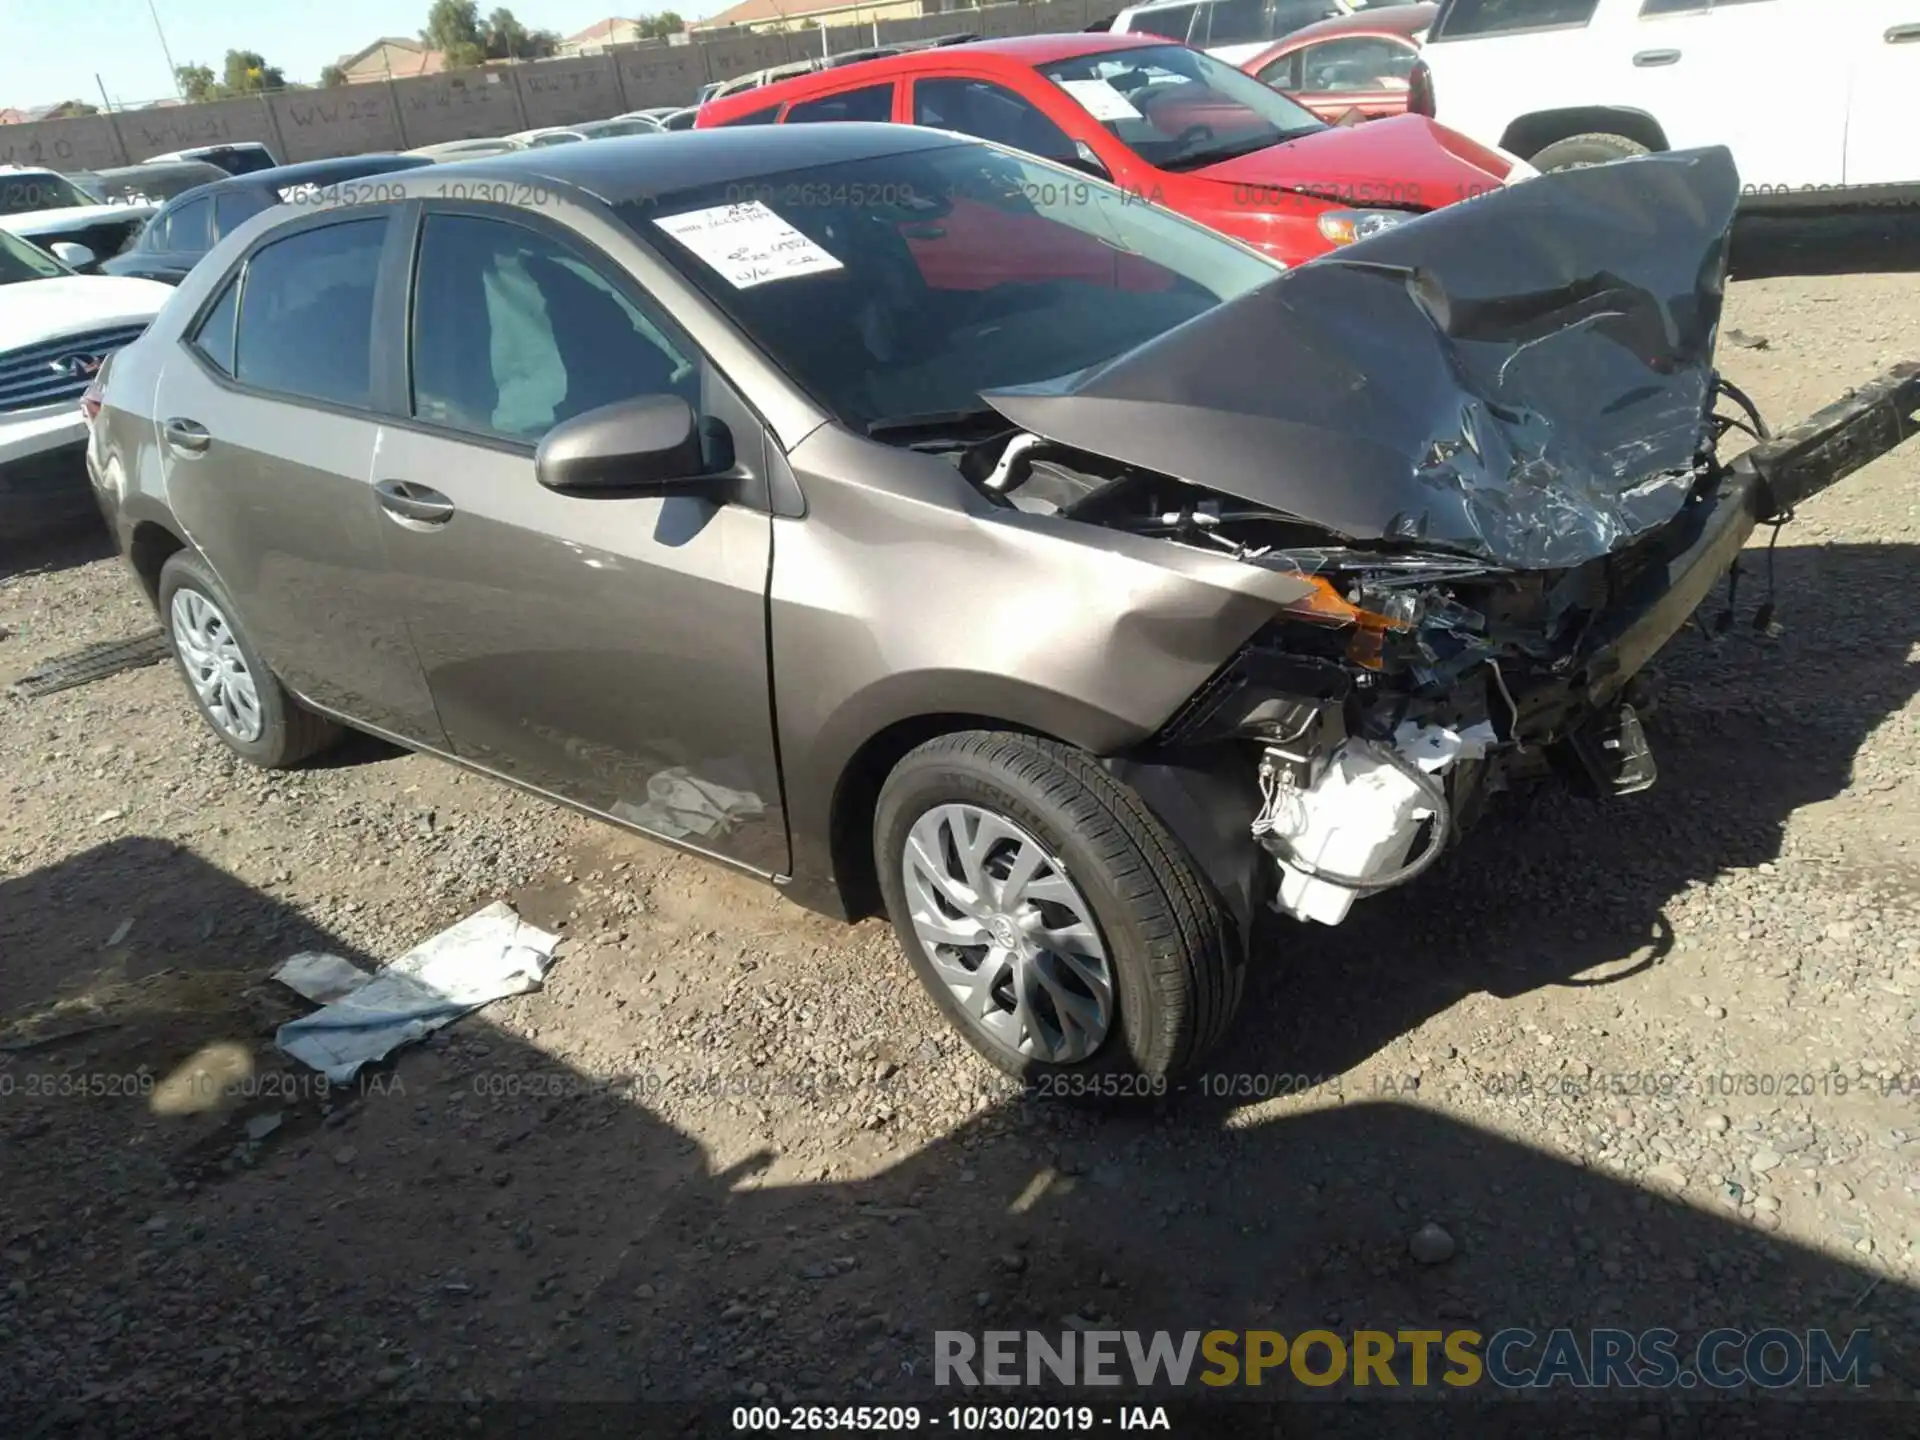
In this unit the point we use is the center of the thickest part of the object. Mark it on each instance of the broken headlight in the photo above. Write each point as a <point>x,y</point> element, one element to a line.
<point>1347,227</point>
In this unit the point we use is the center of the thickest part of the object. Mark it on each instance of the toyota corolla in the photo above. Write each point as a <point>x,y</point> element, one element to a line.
<point>1067,585</point>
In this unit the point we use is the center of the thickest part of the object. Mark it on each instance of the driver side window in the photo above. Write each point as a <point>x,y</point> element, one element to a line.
<point>991,112</point>
<point>514,332</point>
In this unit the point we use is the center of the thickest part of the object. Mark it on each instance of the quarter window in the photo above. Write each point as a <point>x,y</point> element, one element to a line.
<point>755,117</point>
<point>306,323</point>
<point>514,332</point>
<point>214,338</point>
<point>872,103</point>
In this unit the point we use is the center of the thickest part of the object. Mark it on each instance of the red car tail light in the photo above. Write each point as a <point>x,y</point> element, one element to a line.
<point>1420,90</point>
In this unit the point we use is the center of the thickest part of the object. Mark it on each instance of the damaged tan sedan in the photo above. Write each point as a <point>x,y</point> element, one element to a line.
<point>935,531</point>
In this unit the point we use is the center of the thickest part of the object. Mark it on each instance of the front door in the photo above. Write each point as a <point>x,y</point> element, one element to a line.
<point>268,434</point>
<point>607,649</point>
<point>1882,146</point>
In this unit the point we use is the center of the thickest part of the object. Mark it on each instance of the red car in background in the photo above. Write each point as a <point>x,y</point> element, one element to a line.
<point>1168,124</point>
<point>1368,63</point>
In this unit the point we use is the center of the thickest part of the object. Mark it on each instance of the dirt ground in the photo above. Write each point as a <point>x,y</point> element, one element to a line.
<point>1648,1064</point>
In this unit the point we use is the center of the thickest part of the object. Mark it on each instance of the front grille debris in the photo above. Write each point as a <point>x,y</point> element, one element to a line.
<point>90,663</point>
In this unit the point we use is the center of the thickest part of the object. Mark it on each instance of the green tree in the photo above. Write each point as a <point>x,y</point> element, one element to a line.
<point>332,75</point>
<point>247,73</point>
<point>505,38</point>
<point>454,25</point>
<point>659,27</point>
<point>196,83</point>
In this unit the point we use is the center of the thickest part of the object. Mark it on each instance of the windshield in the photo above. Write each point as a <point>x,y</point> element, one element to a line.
<point>21,261</point>
<point>1177,108</point>
<point>903,285</point>
<point>23,193</point>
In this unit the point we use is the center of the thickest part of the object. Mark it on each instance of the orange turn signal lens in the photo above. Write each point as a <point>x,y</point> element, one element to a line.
<point>1328,606</point>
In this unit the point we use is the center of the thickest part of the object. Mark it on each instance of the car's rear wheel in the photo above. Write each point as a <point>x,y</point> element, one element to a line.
<point>1051,916</point>
<point>236,694</point>
<point>1577,152</point>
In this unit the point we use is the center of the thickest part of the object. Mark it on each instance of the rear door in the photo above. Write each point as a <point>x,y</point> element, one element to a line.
<point>607,649</point>
<point>1882,145</point>
<point>1766,78</point>
<point>268,428</point>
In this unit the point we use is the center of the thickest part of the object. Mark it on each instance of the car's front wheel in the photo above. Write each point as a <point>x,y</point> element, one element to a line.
<point>1048,912</point>
<point>1577,152</point>
<point>237,695</point>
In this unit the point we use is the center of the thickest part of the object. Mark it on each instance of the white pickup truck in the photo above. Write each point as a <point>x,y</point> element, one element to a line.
<point>1810,95</point>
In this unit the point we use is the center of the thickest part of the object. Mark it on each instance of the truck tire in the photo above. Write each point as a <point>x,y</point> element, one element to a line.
<point>1579,151</point>
<point>242,701</point>
<point>1052,917</point>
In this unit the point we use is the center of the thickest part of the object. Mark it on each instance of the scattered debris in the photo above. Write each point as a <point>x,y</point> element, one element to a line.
<point>1740,339</point>
<point>488,956</point>
<point>90,663</point>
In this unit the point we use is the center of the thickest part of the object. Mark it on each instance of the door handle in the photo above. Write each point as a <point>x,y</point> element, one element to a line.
<point>1646,59</point>
<point>413,502</point>
<point>1903,34</point>
<point>187,435</point>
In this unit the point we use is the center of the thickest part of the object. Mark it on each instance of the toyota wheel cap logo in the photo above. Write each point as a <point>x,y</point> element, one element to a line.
<point>77,367</point>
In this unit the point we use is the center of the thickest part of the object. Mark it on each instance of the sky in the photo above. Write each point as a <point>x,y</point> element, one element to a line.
<point>50,50</point>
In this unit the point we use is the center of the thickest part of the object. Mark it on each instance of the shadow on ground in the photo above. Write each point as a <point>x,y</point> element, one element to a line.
<point>478,1222</point>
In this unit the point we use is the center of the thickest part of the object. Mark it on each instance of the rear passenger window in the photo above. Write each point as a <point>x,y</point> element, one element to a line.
<point>1463,18</point>
<point>306,322</point>
<point>214,338</point>
<point>874,103</point>
<point>755,117</point>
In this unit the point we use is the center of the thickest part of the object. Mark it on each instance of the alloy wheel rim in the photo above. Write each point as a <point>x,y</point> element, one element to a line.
<point>215,667</point>
<point>1008,933</point>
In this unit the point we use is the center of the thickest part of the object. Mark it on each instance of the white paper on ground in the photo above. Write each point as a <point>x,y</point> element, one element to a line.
<point>1100,100</point>
<point>487,956</point>
<point>321,978</point>
<point>748,244</point>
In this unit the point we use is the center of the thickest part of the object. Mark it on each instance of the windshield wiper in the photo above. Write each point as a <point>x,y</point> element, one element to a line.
<point>934,422</point>
<point>1218,154</point>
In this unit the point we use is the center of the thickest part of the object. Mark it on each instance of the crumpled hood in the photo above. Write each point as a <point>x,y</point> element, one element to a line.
<point>1403,161</point>
<point>1523,377</point>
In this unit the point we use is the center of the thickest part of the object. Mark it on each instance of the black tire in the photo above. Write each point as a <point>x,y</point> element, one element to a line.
<point>1577,151</point>
<point>1178,974</point>
<point>289,733</point>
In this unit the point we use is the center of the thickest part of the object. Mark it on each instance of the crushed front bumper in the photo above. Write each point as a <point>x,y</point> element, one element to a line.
<point>1582,718</point>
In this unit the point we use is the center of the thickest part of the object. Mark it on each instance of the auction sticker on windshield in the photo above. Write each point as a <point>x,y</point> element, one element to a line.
<point>1101,100</point>
<point>748,244</point>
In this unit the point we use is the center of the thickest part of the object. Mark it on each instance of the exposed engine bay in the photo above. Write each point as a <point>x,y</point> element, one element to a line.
<point>1380,714</point>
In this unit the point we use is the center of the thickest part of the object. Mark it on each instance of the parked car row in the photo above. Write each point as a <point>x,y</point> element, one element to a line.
<point>935,530</point>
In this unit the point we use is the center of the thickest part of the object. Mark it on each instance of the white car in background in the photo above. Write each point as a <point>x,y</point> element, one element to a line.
<point>1233,30</point>
<point>60,217</point>
<point>1809,95</point>
<point>57,329</point>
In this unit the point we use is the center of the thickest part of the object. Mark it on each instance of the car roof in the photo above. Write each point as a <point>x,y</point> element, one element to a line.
<point>638,167</point>
<point>1015,52</point>
<point>316,172</point>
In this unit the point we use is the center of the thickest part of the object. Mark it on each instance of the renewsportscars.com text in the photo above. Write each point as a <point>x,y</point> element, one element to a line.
<point>1509,1359</point>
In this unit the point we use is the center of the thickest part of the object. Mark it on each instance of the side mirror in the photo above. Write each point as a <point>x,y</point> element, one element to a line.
<point>73,253</point>
<point>1083,158</point>
<point>649,445</point>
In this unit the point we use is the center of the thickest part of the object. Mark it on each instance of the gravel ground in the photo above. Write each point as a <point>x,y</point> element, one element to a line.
<point>1646,1064</point>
